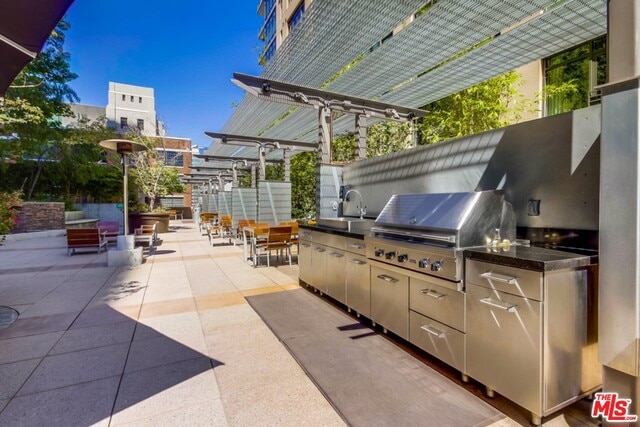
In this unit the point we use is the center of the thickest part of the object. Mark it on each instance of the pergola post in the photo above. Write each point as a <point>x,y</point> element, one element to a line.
<point>263,163</point>
<point>253,176</point>
<point>287,164</point>
<point>324,135</point>
<point>361,136</point>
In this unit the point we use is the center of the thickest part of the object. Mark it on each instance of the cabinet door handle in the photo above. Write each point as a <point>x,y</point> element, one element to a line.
<point>356,246</point>
<point>432,293</point>
<point>336,254</point>
<point>433,331</point>
<point>357,262</point>
<point>499,278</point>
<point>499,304</point>
<point>319,250</point>
<point>388,278</point>
<point>306,245</point>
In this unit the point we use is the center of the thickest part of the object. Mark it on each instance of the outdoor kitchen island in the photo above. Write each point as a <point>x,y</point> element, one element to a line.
<point>523,325</point>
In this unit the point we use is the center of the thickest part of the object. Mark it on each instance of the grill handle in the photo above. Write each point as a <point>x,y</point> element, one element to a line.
<point>433,331</point>
<point>357,262</point>
<point>356,246</point>
<point>432,293</point>
<point>388,278</point>
<point>499,304</point>
<point>499,278</point>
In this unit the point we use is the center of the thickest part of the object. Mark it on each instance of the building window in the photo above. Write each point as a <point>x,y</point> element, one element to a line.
<point>123,122</point>
<point>268,53</point>
<point>131,98</point>
<point>172,158</point>
<point>139,100</point>
<point>296,17</point>
<point>123,97</point>
<point>571,77</point>
<point>140,124</point>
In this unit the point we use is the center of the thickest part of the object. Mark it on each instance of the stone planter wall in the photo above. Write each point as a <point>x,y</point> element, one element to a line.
<point>40,216</point>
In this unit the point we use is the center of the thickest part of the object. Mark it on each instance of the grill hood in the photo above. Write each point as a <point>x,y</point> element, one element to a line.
<point>449,219</point>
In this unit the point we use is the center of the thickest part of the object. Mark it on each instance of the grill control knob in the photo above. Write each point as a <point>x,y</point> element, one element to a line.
<point>403,258</point>
<point>379,252</point>
<point>436,266</point>
<point>423,263</point>
<point>390,255</point>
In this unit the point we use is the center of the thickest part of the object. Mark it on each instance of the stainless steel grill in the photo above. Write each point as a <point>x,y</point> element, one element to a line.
<point>427,232</point>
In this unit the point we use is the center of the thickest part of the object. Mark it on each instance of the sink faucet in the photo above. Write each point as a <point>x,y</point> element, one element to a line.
<point>362,209</point>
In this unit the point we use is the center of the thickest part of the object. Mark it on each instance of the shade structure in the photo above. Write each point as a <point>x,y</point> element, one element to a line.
<point>25,26</point>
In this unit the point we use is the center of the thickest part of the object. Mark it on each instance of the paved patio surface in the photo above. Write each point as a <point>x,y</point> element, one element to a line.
<point>170,342</point>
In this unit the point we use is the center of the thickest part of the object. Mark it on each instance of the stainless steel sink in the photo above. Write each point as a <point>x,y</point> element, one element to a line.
<point>346,224</point>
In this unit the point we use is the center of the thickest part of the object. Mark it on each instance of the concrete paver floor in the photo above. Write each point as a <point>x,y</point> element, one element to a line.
<point>170,342</point>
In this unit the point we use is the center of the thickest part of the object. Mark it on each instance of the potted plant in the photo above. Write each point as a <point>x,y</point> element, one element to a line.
<point>152,179</point>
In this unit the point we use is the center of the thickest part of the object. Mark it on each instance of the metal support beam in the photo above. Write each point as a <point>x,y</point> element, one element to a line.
<point>361,136</point>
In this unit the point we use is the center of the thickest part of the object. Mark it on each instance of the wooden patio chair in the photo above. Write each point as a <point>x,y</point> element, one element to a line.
<point>278,239</point>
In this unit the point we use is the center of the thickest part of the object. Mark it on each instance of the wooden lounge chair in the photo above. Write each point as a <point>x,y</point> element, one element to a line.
<point>146,234</point>
<point>85,238</point>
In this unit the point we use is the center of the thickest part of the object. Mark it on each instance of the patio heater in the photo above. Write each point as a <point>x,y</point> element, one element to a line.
<point>124,148</point>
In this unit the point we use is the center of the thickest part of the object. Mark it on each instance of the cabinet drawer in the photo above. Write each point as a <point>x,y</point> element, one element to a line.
<point>515,281</point>
<point>442,304</point>
<point>390,301</point>
<point>437,339</point>
<point>356,246</point>
<point>358,284</point>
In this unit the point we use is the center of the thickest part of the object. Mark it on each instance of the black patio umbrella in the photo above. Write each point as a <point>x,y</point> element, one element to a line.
<point>25,26</point>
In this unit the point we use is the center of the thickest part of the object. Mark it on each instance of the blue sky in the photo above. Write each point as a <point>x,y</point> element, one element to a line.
<point>187,51</point>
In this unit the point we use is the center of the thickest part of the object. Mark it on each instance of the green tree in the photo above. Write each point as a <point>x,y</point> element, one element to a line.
<point>34,123</point>
<point>150,175</point>
<point>303,185</point>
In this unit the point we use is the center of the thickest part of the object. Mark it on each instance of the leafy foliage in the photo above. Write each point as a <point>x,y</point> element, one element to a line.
<point>8,202</point>
<point>150,175</point>
<point>489,105</point>
<point>303,185</point>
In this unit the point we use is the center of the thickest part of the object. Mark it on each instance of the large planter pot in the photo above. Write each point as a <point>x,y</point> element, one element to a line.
<point>138,219</point>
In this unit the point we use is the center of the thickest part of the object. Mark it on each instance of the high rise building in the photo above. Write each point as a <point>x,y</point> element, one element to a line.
<point>280,17</point>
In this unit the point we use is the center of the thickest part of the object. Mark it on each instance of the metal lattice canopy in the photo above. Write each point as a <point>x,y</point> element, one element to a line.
<point>407,53</point>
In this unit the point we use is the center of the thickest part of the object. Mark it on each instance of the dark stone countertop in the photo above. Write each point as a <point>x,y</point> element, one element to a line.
<point>532,257</point>
<point>353,234</point>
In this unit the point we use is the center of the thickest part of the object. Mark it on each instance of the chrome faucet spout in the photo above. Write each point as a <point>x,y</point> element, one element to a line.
<point>362,209</point>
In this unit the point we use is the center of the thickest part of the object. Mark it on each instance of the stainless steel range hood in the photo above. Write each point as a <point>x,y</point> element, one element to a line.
<point>450,219</point>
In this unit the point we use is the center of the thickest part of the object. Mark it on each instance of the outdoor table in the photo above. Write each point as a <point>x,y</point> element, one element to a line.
<point>251,234</point>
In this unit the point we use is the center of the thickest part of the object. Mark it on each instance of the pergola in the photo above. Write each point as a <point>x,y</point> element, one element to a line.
<point>410,53</point>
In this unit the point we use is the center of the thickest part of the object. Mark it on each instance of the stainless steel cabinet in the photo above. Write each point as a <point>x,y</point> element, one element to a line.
<point>336,274</point>
<point>318,267</point>
<point>304,261</point>
<point>390,299</point>
<point>531,336</point>
<point>504,342</point>
<point>358,280</point>
<point>437,320</point>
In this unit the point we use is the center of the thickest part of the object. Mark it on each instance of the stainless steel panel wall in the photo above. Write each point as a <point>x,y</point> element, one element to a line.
<point>274,201</point>
<point>244,204</point>
<point>329,191</point>
<point>554,160</point>
<point>620,233</point>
